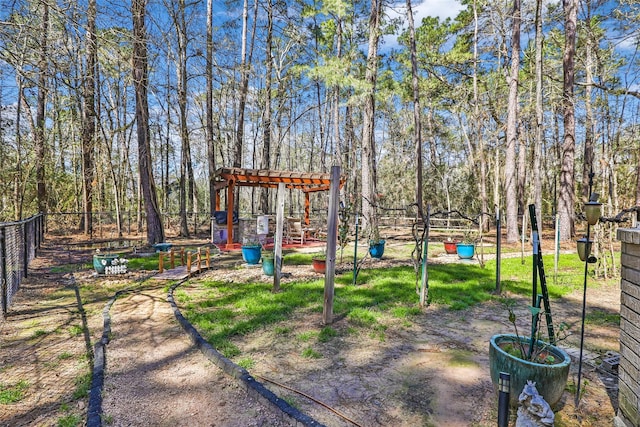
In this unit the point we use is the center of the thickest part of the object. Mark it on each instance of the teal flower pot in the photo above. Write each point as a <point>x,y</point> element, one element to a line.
<point>251,254</point>
<point>465,250</point>
<point>550,379</point>
<point>376,250</point>
<point>268,266</point>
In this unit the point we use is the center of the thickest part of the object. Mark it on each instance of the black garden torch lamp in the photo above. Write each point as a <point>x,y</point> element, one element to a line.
<point>592,210</point>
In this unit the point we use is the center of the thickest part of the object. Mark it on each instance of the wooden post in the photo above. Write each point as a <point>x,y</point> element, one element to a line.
<point>278,243</point>
<point>199,259</point>
<point>188,262</point>
<point>208,252</point>
<point>160,266</point>
<point>424,285</point>
<point>181,256</point>
<point>230,209</point>
<point>172,258</point>
<point>332,238</point>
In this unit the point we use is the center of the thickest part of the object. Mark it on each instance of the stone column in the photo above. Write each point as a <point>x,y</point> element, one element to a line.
<point>629,368</point>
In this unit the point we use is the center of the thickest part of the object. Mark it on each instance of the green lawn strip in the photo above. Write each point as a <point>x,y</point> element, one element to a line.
<point>225,310</point>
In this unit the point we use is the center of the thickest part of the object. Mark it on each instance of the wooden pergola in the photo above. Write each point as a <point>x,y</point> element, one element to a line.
<point>229,178</point>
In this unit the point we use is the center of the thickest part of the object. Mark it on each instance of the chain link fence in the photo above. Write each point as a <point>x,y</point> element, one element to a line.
<point>19,242</point>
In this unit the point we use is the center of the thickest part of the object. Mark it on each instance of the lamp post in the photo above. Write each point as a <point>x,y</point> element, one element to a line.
<point>584,245</point>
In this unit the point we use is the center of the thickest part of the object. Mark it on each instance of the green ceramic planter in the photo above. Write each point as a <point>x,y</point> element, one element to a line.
<point>102,261</point>
<point>268,265</point>
<point>550,379</point>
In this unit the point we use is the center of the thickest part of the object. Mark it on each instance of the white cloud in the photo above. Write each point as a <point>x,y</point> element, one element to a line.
<point>440,8</point>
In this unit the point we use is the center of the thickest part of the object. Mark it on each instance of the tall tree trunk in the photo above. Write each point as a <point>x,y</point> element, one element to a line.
<point>244,88</point>
<point>477,130</point>
<point>266,130</point>
<point>155,232</point>
<point>185,152</point>
<point>566,209</point>
<point>339,152</point>
<point>39,140</point>
<point>510,173</point>
<point>369,196</point>
<point>18,178</point>
<point>417,131</point>
<point>537,152</point>
<point>589,123</point>
<point>89,119</point>
<point>211,151</point>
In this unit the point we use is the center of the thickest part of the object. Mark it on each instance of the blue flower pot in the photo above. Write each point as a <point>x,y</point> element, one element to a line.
<point>251,254</point>
<point>465,250</point>
<point>376,249</point>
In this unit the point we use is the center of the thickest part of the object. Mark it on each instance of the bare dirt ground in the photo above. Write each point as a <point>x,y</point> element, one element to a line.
<point>432,371</point>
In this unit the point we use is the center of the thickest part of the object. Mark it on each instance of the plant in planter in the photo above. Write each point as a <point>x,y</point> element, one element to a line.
<point>251,251</point>
<point>467,247</point>
<point>319,262</point>
<point>530,359</point>
<point>376,244</point>
<point>450,245</point>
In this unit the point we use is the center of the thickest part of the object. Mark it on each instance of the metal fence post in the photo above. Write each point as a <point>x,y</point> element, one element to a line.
<point>25,250</point>
<point>3,268</point>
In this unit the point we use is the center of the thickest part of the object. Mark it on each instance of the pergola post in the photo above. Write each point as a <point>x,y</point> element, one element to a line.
<point>307,207</point>
<point>230,208</point>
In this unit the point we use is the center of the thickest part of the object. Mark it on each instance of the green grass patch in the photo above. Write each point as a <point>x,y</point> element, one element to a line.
<point>310,353</point>
<point>38,333</point>
<point>71,420</point>
<point>145,263</point>
<point>327,333</point>
<point>65,355</point>
<point>462,358</point>
<point>247,363</point>
<point>76,330</point>
<point>282,330</point>
<point>69,268</point>
<point>602,318</point>
<point>307,336</point>
<point>382,297</point>
<point>13,393</point>
<point>83,383</point>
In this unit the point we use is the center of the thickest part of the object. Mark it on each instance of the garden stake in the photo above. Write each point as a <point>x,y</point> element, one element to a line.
<point>534,325</point>
<point>498,244</point>
<point>355,254</point>
<point>584,292</point>
<point>543,277</point>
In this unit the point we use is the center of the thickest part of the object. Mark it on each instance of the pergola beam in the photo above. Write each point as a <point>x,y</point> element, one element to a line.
<point>307,182</point>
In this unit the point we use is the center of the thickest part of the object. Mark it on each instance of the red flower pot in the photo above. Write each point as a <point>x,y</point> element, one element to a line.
<point>450,246</point>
